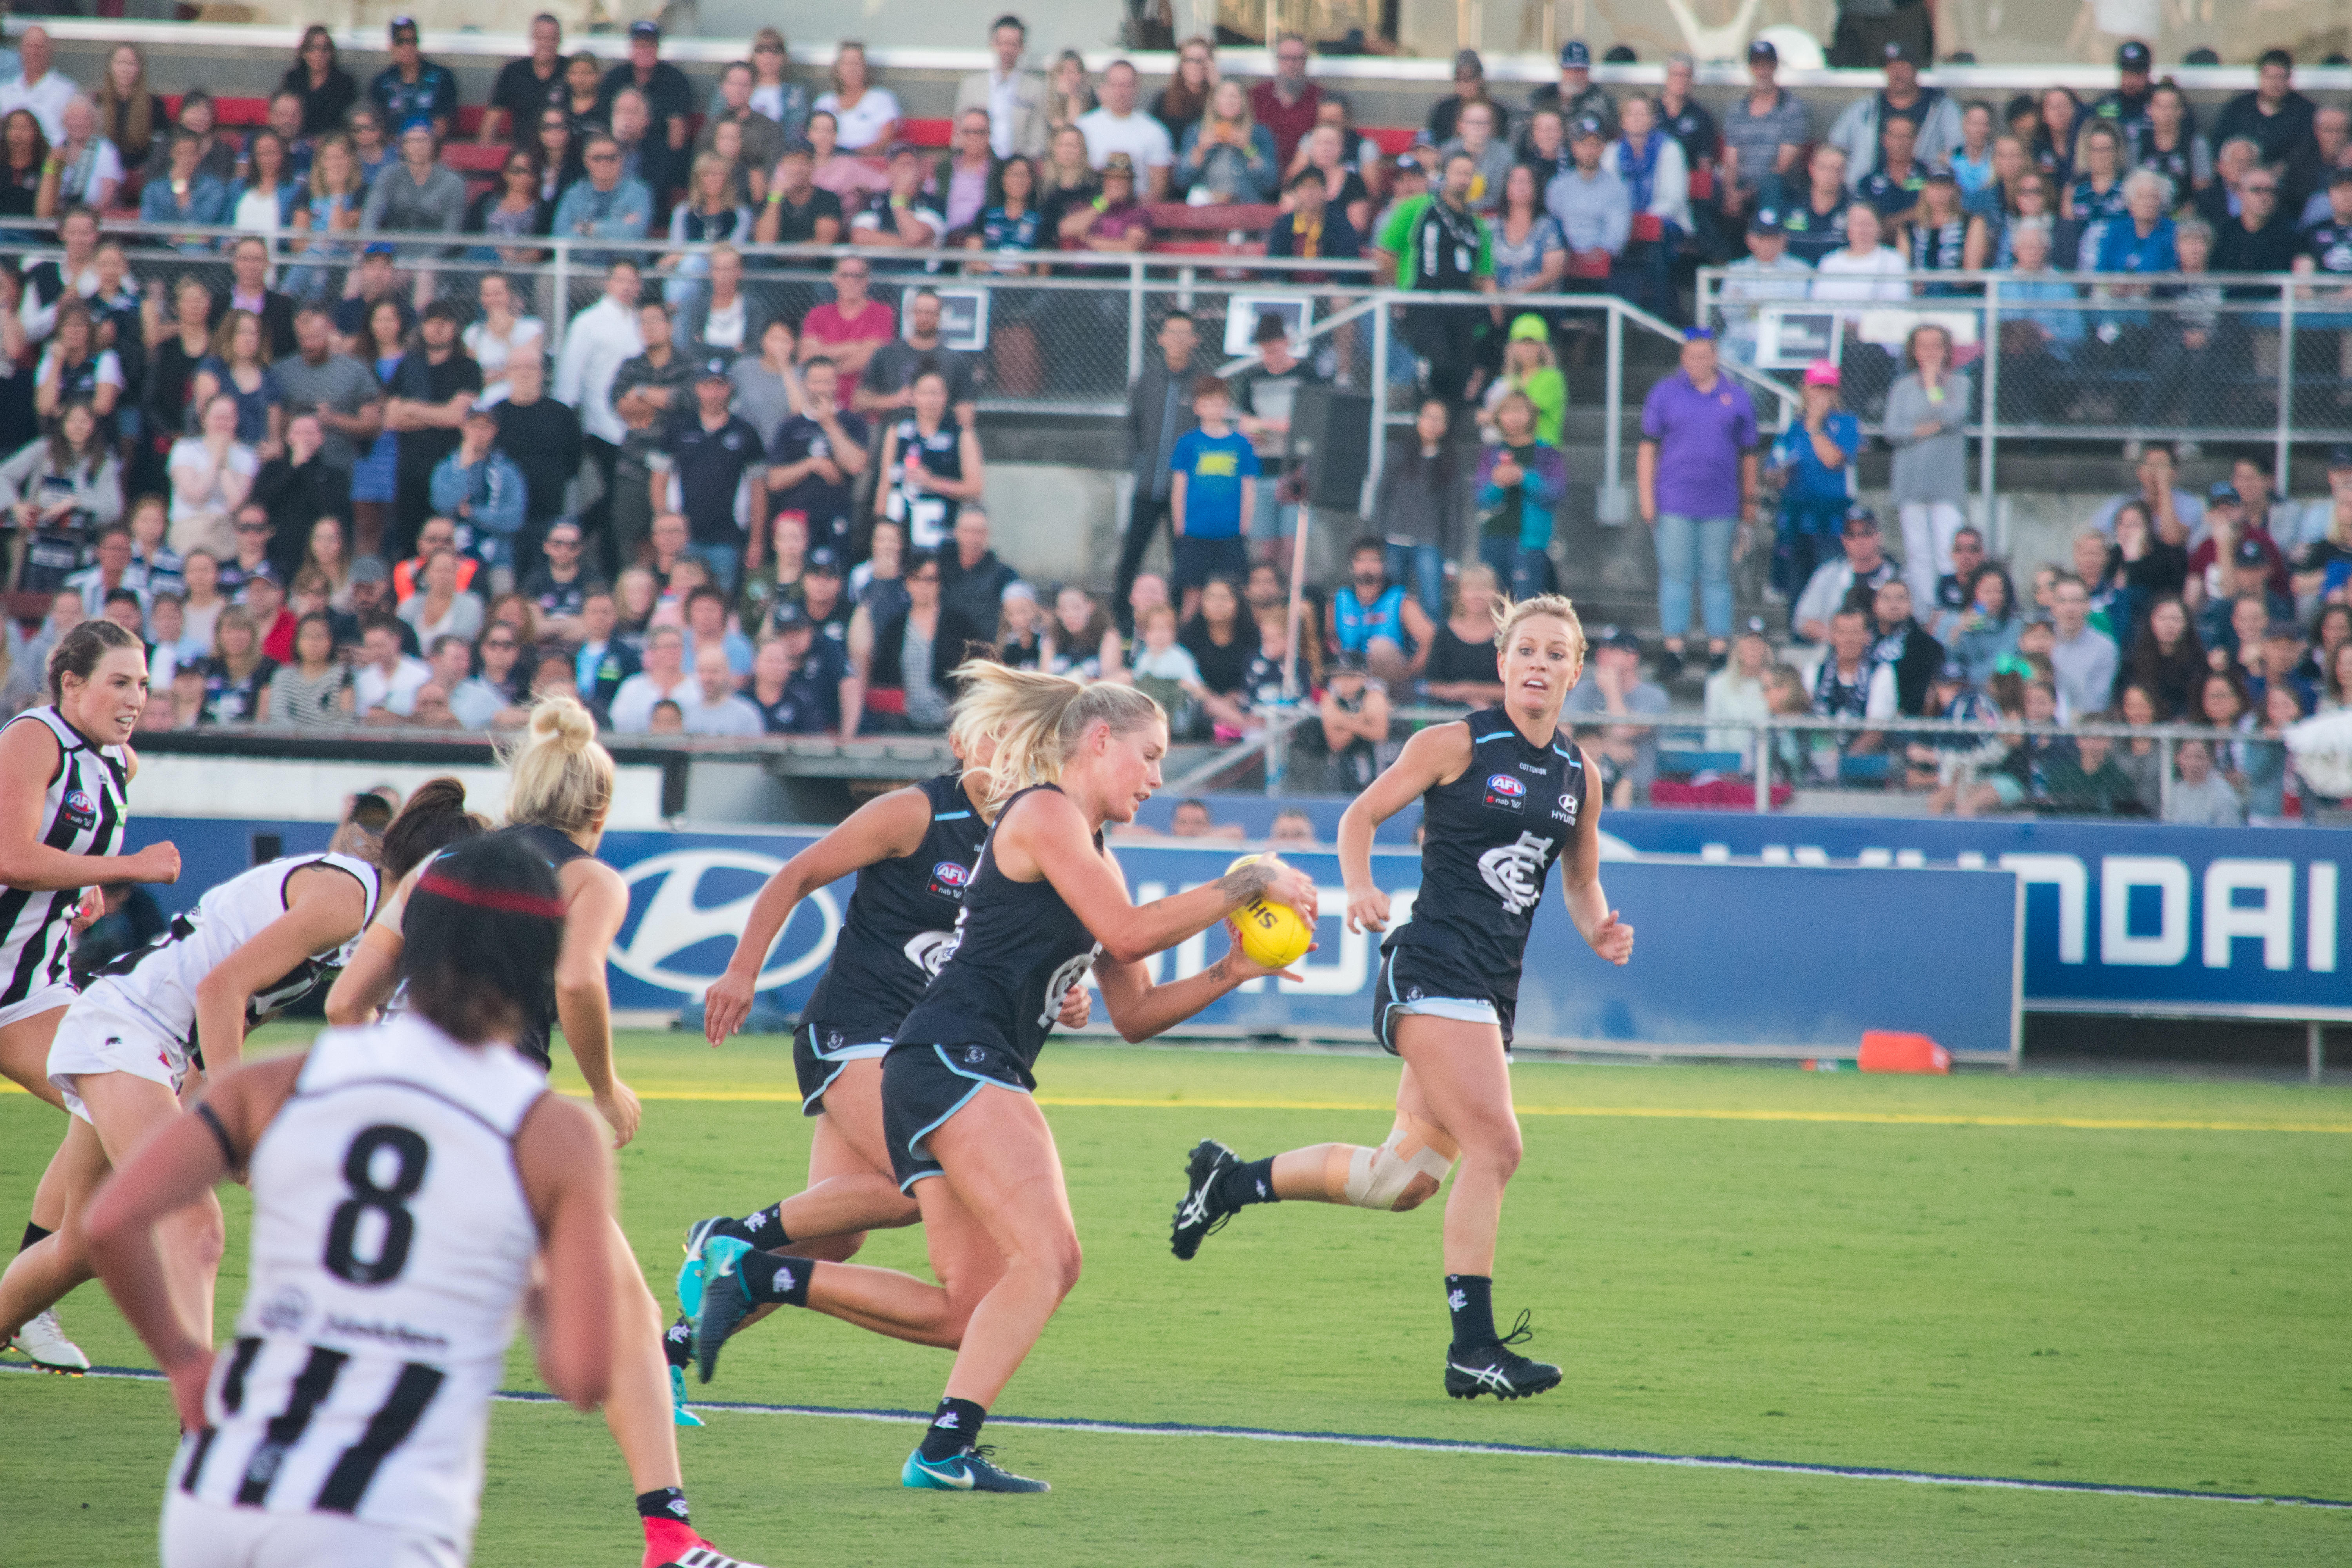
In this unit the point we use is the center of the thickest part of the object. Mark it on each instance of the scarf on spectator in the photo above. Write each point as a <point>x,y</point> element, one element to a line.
<point>1833,699</point>
<point>1640,169</point>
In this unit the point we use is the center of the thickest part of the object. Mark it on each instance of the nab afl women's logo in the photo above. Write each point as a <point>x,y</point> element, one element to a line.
<point>80,809</point>
<point>1505,793</point>
<point>948,879</point>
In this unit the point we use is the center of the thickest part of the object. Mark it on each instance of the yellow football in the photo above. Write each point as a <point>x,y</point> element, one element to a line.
<point>1273,935</point>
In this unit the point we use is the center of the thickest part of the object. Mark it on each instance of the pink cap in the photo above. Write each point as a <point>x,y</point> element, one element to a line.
<point>1821,372</point>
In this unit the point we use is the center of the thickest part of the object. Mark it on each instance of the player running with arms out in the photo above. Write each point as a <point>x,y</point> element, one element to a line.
<point>413,1175</point>
<point>252,946</point>
<point>1503,794</point>
<point>913,851</point>
<point>1046,902</point>
<point>559,794</point>
<point>65,776</point>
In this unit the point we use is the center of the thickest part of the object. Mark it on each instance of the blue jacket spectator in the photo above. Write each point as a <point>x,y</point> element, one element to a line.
<point>1591,205</point>
<point>482,490</point>
<point>605,205</point>
<point>1227,153</point>
<point>183,195</point>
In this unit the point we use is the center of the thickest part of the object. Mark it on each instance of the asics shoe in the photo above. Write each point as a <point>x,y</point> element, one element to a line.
<point>724,1304</point>
<point>974,1469</point>
<point>691,1273</point>
<point>45,1344</point>
<point>1198,1214</point>
<point>1499,1370</point>
<point>678,1412</point>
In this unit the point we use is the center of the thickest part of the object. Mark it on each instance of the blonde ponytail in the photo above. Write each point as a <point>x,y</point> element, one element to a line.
<point>559,776</point>
<point>1037,719</point>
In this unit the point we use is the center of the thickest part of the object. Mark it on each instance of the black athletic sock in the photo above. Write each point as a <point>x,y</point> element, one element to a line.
<point>1471,1299</point>
<point>1242,1185</point>
<point>33,1233</point>
<point>954,1428</point>
<point>768,1278</point>
<point>764,1228</point>
<point>677,1344</point>
<point>664,1502</point>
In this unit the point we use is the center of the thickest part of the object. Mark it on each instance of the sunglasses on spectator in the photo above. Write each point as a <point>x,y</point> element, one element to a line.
<point>2258,190</point>
<point>603,157</point>
<point>503,645</point>
<point>767,48</point>
<point>253,528</point>
<point>556,542</point>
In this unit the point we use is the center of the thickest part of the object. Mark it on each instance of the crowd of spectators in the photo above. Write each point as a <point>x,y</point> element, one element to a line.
<point>332,486</point>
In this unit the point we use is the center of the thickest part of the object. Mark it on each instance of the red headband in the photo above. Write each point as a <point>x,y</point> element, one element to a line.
<point>504,902</point>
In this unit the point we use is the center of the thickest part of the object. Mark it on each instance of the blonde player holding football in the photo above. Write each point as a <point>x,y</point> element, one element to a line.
<point>1046,905</point>
<point>1504,794</point>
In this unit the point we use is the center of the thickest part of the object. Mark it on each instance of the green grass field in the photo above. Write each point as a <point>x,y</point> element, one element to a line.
<point>2142,1282</point>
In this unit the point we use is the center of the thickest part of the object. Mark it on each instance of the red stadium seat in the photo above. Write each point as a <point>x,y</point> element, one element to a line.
<point>1392,140</point>
<point>1702,181</point>
<point>474,158</point>
<point>1648,226</point>
<point>940,133</point>
<point>1180,217</point>
<point>1594,266</point>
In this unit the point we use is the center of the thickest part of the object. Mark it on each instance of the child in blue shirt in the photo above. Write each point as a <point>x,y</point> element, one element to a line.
<point>1816,489</point>
<point>1209,499</point>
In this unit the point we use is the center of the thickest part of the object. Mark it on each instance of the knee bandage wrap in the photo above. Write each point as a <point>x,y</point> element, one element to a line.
<point>1379,1178</point>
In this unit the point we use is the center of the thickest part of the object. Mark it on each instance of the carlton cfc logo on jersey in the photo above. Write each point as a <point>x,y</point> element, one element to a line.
<point>80,809</point>
<point>1507,793</point>
<point>948,879</point>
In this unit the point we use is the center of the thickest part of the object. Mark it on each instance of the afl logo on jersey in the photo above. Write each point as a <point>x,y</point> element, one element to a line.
<point>1505,793</point>
<point>949,881</point>
<point>80,811</point>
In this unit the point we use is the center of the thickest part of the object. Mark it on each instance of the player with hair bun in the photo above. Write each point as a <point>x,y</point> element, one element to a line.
<point>418,1174</point>
<point>1504,794</point>
<point>1046,905</point>
<point>559,794</point>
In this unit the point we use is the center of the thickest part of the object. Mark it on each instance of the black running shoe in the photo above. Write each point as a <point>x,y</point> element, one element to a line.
<point>1499,1370</point>
<point>1198,1214</point>
<point>725,1304</point>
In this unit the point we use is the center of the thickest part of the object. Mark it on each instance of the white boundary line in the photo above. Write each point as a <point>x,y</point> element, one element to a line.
<point>1429,1446</point>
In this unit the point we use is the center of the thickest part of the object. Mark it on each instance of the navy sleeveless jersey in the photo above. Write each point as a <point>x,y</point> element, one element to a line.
<point>1488,844</point>
<point>1017,949</point>
<point>901,920</point>
<point>538,1033</point>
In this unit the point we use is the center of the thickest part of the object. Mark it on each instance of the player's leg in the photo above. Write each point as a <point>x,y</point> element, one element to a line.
<point>43,1272</point>
<point>25,1059</point>
<point>963,1257</point>
<point>1460,1083</point>
<point>638,1411</point>
<point>1002,1171</point>
<point>1403,1172</point>
<point>850,1188</point>
<point>126,1109</point>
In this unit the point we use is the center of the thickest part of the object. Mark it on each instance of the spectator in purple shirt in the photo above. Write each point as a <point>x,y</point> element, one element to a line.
<point>1696,474</point>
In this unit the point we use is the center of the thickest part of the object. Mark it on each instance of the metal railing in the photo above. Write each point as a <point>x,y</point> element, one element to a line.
<point>2247,358</point>
<point>1062,332</point>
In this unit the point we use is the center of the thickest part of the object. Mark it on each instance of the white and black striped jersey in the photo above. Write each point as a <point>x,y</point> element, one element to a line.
<point>392,1246</point>
<point>159,982</point>
<point>84,813</point>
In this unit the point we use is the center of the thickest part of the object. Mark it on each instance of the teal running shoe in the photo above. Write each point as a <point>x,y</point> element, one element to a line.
<point>691,1272</point>
<point>724,1303</point>
<point>973,1470</point>
<point>678,1412</point>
